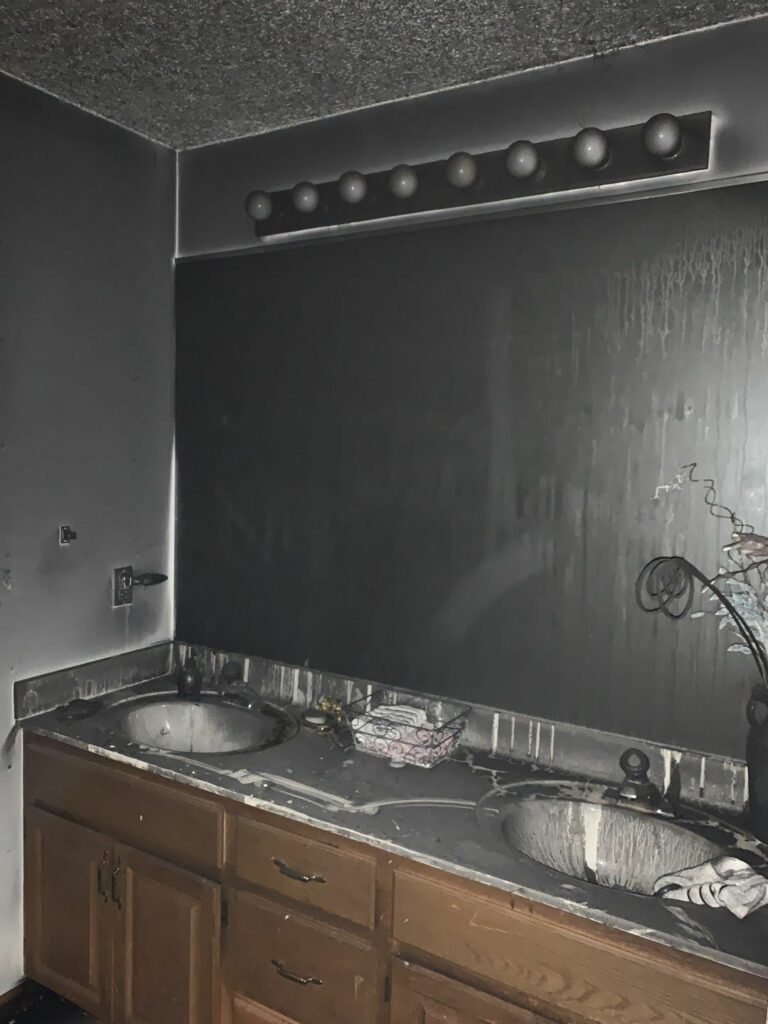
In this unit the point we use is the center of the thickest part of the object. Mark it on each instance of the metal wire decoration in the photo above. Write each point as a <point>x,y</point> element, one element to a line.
<point>667,584</point>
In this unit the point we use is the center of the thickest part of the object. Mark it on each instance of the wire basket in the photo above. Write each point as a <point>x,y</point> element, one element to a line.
<point>389,734</point>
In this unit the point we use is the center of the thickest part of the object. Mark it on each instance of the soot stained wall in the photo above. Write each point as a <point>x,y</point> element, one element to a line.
<point>86,411</point>
<point>430,459</point>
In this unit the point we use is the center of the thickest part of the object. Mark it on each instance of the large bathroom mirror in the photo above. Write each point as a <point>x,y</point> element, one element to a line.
<point>438,458</point>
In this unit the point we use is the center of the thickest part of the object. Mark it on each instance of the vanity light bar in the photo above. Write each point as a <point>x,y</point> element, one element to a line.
<point>662,146</point>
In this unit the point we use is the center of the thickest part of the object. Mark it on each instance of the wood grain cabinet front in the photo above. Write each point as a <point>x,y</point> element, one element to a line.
<point>68,917</point>
<point>128,937</point>
<point>304,969</point>
<point>166,942</point>
<point>327,876</point>
<point>605,979</point>
<point>245,1011</point>
<point>160,817</point>
<point>420,996</point>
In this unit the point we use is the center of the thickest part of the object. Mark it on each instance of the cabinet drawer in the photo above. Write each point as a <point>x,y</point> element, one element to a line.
<point>331,878</point>
<point>305,970</point>
<point>420,996</point>
<point>157,818</point>
<point>596,979</point>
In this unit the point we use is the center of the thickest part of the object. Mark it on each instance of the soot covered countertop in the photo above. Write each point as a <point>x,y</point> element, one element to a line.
<point>429,816</point>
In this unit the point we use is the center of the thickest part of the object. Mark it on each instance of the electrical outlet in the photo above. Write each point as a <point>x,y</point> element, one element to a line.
<point>122,586</point>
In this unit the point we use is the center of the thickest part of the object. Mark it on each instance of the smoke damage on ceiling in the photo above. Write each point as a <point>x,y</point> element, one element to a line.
<point>190,72</point>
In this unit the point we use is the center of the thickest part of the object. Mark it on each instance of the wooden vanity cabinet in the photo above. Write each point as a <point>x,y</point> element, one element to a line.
<point>150,903</point>
<point>130,937</point>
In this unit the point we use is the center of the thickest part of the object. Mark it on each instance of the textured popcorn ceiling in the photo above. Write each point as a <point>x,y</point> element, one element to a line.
<point>190,72</point>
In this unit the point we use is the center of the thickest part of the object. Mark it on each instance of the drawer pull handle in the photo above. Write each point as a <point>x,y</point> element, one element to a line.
<point>101,889</point>
<point>297,979</point>
<point>297,876</point>
<point>115,893</point>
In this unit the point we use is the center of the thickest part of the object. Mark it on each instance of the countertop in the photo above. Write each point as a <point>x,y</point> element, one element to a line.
<point>427,815</point>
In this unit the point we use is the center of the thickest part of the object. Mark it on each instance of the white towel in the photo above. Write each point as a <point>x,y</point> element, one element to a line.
<point>402,714</point>
<point>724,882</point>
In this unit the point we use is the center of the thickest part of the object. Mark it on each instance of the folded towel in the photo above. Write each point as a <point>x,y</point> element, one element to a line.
<point>724,882</point>
<point>403,714</point>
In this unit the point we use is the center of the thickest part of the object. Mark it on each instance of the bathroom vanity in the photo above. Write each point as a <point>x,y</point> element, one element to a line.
<point>158,895</point>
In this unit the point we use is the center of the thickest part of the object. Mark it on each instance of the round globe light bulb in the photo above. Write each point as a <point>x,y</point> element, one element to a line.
<point>258,205</point>
<point>522,159</point>
<point>461,170</point>
<point>663,136</point>
<point>403,181</point>
<point>352,187</point>
<point>590,149</point>
<point>305,197</point>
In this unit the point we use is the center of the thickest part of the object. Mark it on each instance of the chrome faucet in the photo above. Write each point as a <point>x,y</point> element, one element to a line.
<point>636,789</point>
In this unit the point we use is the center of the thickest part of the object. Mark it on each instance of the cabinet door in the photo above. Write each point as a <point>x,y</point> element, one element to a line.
<point>67,910</point>
<point>420,996</point>
<point>166,942</point>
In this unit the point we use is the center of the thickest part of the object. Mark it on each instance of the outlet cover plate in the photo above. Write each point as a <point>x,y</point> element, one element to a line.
<point>122,586</point>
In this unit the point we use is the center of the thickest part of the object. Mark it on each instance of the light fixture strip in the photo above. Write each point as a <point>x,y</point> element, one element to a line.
<point>664,145</point>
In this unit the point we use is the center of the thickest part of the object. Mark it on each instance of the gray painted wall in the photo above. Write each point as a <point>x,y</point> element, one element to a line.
<point>86,418</point>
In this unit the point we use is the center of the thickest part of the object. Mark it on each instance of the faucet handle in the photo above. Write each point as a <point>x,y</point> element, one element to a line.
<point>636,788</point>
<point>635,764</point>
<point>636,785</point>
<point>231,673</point>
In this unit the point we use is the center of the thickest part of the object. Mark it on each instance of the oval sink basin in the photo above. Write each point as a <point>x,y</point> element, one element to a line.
<point>204,726</point>
<point>607,845</point>
<point>571,828</point>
